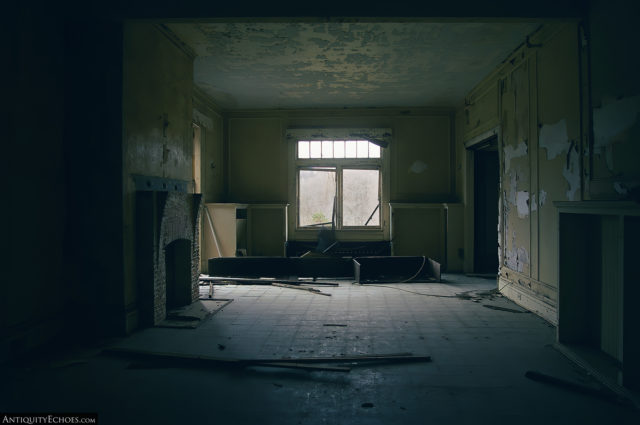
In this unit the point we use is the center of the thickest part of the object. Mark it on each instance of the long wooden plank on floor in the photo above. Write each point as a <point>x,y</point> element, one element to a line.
<point>191,360</point>
<point>312,290</point>
<point>249,281</point>
<point>334,359</point>
<point>400,357</point>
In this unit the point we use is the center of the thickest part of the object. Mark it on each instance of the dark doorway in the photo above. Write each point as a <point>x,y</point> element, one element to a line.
<point>486,189</point>
<point>178,269</point>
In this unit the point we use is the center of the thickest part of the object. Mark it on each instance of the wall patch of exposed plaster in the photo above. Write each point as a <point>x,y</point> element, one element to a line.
<point>542,197</point>
<point>522,203</point>
<point>513,181</point>
<point>554,138</point>
<point>614,118</point>
<point>572,173</point>
<point>517,258</point>
<point>611,120</point>
<point>418,167</point>
<point>511,153</point>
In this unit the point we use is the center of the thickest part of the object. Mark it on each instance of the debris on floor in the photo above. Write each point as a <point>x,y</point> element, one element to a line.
<point>363,269</point>
<point>510,310</point>
<point>190,316</point>
<point>477,296</point>
<point>312,290</point>
<point>397,269</point>
<point>154,359</point>
<point>222,280</point>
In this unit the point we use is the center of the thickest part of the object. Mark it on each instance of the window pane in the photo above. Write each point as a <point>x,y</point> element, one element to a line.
<point>350,148</point>
<point>327,149</point>
<point>303,149</point>
<point>316,149</point>
<point>338,149</point>
<point>374,151</point>
<point>316,197</point>
<point>363,149</point>
<point>360,197</point>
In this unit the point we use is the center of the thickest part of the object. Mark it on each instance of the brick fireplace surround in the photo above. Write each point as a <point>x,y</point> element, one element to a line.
<point>167,252</point>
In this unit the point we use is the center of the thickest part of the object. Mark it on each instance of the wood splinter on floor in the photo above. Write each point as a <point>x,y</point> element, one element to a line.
<point>313,290</point>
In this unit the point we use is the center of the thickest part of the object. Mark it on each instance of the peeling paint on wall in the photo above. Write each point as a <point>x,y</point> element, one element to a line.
<point>511,153</point>
<point>572,173</point>
<point>513,181</point>
<point>554,138</point>
<point>610,122</point>
<point>516,258</point>
<point>534,204</point>
<point>614,118</point>
<point>418,167</point>
<point>522,203</point>
<point>620,188</point>
<point>543,197</point>
<point>628,188</point>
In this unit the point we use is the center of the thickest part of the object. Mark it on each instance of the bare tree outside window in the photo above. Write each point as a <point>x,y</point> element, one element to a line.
<point>360,197</point>
<point>339,184</point>
<point>316,197</point>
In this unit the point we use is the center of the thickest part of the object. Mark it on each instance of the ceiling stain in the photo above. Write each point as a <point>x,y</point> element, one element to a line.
<point>337,65</point>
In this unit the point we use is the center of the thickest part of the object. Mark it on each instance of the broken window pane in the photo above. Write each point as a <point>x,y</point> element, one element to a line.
<point>374,151</point>
<point>327,149</point>
<point>316,197</point>
<point>303,149</point>
<point>350,149</point>
<point>360,197</point>
<point>338,149</point>
<point>316,149</point>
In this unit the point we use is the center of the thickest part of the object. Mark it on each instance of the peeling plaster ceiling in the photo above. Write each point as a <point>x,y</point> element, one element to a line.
<point>335,65</point>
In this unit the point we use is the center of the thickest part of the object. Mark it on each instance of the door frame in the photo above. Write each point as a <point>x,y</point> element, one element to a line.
<point>471,146</point>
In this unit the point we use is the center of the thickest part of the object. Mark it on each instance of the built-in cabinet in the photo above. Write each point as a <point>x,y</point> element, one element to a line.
<point>599,286</point>
<point>232,229</point>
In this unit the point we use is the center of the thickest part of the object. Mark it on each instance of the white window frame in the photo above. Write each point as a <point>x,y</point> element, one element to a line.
<point>350,233</point>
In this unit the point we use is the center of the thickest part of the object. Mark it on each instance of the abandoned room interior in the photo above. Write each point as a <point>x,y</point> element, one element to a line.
<point>370,214</point>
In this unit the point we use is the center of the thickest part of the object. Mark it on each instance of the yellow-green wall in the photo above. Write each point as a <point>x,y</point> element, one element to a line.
<point>157,88</point>
<point>259,155</point>
<point>539,101</point>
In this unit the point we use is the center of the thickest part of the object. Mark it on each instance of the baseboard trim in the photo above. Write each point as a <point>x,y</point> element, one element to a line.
<point>527,300</point>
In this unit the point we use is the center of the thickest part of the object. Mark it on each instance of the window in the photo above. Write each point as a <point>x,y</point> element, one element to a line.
<point>340,184</point>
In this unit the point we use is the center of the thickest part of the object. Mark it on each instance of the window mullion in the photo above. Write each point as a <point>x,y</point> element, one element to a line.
<point>339,197</point>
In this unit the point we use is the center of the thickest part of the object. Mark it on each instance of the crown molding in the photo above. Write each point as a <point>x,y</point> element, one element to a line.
<point>175,40</point>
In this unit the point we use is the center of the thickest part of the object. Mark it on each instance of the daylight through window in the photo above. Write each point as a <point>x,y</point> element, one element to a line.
<point>338,184</point>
